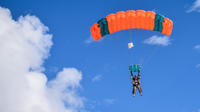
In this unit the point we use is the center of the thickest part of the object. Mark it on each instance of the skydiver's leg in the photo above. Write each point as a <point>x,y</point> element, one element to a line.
<point>139,89</point>
<point>134,90</point>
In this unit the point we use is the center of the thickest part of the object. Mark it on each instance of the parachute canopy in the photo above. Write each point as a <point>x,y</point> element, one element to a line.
<point>130,19</point>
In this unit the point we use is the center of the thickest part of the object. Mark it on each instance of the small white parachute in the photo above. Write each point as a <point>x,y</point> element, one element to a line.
<point>130,45</point>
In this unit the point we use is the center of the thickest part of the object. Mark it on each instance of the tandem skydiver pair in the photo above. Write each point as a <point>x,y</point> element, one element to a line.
<point>136,78</point>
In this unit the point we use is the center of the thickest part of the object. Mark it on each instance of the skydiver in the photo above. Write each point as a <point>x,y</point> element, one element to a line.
<point>136,83</point>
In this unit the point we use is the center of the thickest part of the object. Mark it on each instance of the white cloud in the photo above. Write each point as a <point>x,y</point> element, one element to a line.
<point>198,66</point>
<point>64,87</point>
<point>197,47</point>
<point>195,6</point>
<point>24,44</point>
<point>89,40</point>
<point>109,101</point>
<point>96,78</point>
<point>158,40</point>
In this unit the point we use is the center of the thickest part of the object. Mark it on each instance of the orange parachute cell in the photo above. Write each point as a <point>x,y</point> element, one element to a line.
<point>121,17</point>
<point>150,15</point>
<point>111,23</point>
<point>131,18</point>
<point>96,32</point>
<point>167,26</point>
<point>140,15</point>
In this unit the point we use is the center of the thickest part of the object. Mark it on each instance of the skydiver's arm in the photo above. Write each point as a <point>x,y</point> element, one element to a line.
<point>139,75</point>
<point>131,75</point>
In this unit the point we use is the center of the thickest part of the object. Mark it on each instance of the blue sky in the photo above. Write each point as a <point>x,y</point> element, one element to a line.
<point>170,74</point>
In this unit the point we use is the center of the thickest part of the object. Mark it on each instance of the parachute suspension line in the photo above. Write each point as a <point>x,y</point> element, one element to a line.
<point>130,44</point>
<point>130,36</point>
<point>149,57</point>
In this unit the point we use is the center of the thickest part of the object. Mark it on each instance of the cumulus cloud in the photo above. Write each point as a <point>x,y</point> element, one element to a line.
<point>195,6</point>
<point>24,45</point>
<point>158,40</point>
<point>64,88</point>
<point>96,78</point>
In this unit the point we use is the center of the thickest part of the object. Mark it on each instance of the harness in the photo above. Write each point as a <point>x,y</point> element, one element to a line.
<point>135,82</point>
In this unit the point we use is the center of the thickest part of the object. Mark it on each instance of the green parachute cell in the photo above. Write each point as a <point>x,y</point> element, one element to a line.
<point>134,68</point>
